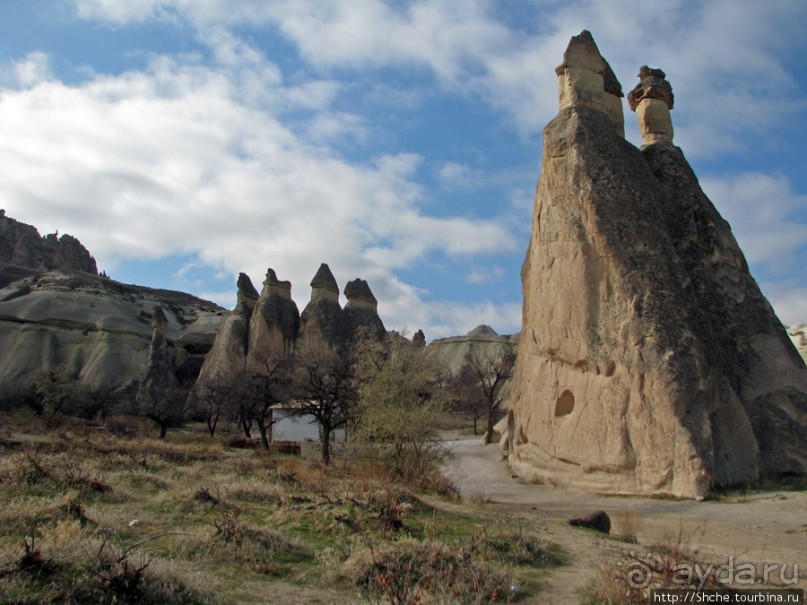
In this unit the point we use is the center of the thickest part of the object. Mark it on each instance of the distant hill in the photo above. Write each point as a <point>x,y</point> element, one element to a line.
<point>453,351</point>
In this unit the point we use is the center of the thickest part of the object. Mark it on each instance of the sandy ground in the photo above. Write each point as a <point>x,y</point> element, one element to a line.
<point>759,528</point>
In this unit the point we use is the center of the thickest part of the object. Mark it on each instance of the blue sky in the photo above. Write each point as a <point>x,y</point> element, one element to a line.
<point>183,141</point>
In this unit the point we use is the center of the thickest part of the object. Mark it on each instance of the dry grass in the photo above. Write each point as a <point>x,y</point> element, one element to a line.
<point>628,578</point>
<point>627,527</point>
<point>86,516</point>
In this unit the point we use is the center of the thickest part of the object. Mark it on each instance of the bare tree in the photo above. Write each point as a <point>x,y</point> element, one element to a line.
<point>325,389</point>
<point>61,393</point>
<point>165,404</point>
<point>485,375</point>
<point>55,388</point>
<point>211,402</point>
<point>263,388</point>
<point>238,404</point>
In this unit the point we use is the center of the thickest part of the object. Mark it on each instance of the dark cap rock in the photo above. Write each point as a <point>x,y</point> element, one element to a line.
<point>358,293</point>
<point>272,285</point>
<point>324,285</point>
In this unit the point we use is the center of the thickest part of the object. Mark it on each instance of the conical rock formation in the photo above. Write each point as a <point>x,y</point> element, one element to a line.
<point>275,323</point>
<point>321,320</point>
<point>649,360</point>
<point>267,326</point>
<point>159,377</point>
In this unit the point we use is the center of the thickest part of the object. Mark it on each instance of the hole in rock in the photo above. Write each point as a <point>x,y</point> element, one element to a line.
<point>565,404</point>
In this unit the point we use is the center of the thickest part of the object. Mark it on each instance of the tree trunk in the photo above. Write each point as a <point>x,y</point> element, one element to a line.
<point>212,421</point>
<point>326,443</point>
<point>163,430</point>
<point>262,430</point>
<point>246,425</point>
<point>489,432</point>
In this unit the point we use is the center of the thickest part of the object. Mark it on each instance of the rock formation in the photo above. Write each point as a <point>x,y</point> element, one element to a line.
<point>360,314</point>
<point>586,79</point>
<point>322,318</point>
<point>275,322</point>
<point>264,327</point>
<point>649,360</point>
<point>453,351</point>
<point>652,100</point>
<point>228,354</point>
<point>55,310</point>
<point>22,246</point>
<point>159,376</point>
<point>96,327</point>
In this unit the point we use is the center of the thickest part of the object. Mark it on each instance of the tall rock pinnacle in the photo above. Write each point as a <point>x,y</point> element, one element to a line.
<point>649,360</point>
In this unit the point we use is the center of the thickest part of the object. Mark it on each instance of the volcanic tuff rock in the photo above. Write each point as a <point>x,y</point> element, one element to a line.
<point>21,245</point>
<point>159,376</point>
<point>361,311</point>
<point>275,327</point>
<point>649,360</point>
<point>56,310</point>
<point>98,328</point>
<point>453,351</point>
<point>275,323</point>
<point>323,317</point>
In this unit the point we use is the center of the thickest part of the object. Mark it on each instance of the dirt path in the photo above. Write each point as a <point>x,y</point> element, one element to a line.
<point>769,527</point>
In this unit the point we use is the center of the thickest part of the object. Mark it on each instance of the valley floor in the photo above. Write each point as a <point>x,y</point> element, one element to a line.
<point>754,527</point>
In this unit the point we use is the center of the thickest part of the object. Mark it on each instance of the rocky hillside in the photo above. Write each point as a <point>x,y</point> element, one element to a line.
<point>56,310</point>
<point>453,351</point>
<point>22,247</point>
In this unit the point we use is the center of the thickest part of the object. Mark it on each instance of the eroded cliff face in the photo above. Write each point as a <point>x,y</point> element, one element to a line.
<point>99,329</point>
<point>21,245</point>
<point>649,361</point>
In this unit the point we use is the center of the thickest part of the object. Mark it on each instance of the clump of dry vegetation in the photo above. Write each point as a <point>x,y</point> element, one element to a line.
<point>674,562</point>
<point>91,516</point>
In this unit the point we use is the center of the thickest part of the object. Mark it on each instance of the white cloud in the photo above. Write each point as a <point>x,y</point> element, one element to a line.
<point>177,160</point>
<point>171,144</point>
<point>726,85</point>
<point>120,11</point>
<point>453,175</point>
<point>766,216</point>
<point>484,275</point>
<point>29,71</point>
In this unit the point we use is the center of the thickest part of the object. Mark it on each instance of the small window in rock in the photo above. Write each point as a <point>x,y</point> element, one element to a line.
<point>565,404</point>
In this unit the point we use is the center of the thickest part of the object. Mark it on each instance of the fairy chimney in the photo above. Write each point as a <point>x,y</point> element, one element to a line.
<point>652,100</point>
<point>650,361</point>
<point>586,78</point>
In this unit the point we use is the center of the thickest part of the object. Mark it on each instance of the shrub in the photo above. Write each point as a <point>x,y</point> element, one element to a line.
<point>414,572</point>
<point>399,400</point>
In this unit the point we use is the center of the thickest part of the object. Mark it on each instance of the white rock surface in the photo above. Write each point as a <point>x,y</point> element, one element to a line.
<point>98,328</point>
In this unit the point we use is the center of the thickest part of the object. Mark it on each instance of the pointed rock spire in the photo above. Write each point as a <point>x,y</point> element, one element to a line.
<point>585,78</point>
<point>358,294</point>
<point>651,361</point>
<point>272,285</point>
<point>324,285</point>
<point>247,294</point>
